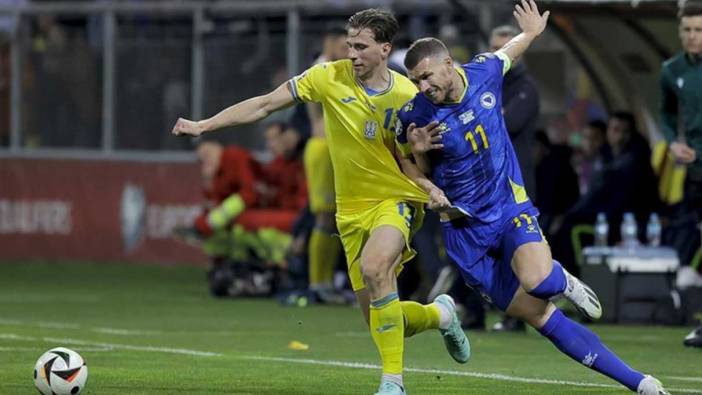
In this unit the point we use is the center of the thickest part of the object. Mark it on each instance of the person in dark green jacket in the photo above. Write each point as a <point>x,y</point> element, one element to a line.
<point>681,114</point>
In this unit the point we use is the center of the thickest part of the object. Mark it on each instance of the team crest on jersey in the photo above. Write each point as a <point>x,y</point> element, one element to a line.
<point>488,100</point>
<point>369,129</point>
<point>467,116</point>
<point>408,107</point>
<point>680,82</point>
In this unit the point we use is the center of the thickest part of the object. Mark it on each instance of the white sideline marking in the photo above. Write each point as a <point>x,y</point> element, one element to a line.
<point>56,325</point>
<point>680,378</point>
<point>124,332</point>
<point>169,350</point>
<point>357,365</point>
<point>113,346</point>
<point>38,348</point>
<point>66,325</point>
<point>12,336</point>
<point>491,376</point>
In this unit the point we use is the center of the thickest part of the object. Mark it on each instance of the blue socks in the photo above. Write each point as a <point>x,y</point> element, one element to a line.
<point>554,284</point>
<point>584,346</point>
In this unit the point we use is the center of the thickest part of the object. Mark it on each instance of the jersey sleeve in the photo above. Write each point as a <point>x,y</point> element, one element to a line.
<point>309,86</point>
<point>496,63</point>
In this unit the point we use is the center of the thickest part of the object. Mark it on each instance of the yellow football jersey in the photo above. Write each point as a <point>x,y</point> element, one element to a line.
<point>358,127</point>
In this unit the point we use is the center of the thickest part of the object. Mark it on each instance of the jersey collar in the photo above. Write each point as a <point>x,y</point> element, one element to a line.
<point>464,77</point>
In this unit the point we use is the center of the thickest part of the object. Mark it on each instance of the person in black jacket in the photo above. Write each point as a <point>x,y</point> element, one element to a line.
<point>623,181</point>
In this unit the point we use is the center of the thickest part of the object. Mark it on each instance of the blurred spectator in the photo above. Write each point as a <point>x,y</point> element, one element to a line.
<point>66,87</point>
<point>8,29</point>
<point>250,206</point>
<point>556,181</point>
<point>624,183</point>
<point>323,247</point>
<point>682,126</point>
<point>451,36</point>
<point>589,158</point>
<point>397,57</point>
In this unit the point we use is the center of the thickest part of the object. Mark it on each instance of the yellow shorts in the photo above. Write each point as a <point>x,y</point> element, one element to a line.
<point>320,176</point>
<point>355,229</point>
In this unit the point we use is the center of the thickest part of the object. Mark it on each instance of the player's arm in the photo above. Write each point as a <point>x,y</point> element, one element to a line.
<point>422,140</point>
<point>670,116</point>
<point>248,111</point>
<point>532,24</point>
<point>437,199</point>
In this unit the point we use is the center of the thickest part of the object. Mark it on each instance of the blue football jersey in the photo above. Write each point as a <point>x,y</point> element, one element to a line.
<point>477,169</point>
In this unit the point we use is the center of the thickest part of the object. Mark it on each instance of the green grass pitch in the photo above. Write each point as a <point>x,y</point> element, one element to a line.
<point>155,330</point>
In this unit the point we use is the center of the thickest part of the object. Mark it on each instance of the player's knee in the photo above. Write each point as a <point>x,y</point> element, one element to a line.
<point>532,264</point>
<point>376,269</point>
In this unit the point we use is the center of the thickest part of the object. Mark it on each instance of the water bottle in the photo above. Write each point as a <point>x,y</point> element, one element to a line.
<point>601,230</point>
<point>629,231</point>
<point>653,230</point>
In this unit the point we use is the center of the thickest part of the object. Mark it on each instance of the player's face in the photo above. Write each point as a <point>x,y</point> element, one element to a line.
<point>336,48</point>
<point>433,76</point>
<point>691,34</point>
<point>592,141</point>
<point>617,133</point>
<point>365,53</point>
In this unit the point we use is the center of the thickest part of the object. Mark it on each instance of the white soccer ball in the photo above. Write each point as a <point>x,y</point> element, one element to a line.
<point>60,371</point>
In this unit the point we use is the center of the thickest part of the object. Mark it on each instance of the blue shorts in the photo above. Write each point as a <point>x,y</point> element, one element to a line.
<point>483,251</point>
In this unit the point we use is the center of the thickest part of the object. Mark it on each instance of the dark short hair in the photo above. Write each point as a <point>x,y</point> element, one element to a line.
<point>691,8</point>
<point>381,22</point>
<point>505,31</point>
<point>423,48</point>
<point>599,125</point>
<point>626,117</point>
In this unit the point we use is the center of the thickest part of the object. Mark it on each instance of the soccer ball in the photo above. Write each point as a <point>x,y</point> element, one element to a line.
<point>60,371</point>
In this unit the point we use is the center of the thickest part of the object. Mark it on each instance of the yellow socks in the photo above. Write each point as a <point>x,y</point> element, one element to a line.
<point>420,317</point>
<point>323,251</point>
<point>387,330</point>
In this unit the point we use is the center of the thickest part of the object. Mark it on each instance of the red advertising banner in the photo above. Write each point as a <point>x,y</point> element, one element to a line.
<point>97,210</point>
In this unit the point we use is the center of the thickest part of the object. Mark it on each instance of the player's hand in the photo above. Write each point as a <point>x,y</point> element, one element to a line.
<point>683,153</point>
<point>529,19</point>
<point>187,127</point>
<point>438,200</point>
<point>425,138</point>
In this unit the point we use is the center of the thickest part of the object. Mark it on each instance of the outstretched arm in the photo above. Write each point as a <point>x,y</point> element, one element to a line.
<point>248,111</point>
<point>532,24</point>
